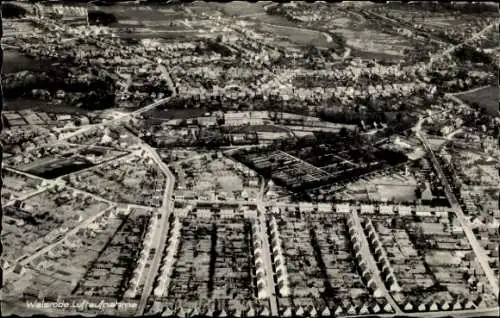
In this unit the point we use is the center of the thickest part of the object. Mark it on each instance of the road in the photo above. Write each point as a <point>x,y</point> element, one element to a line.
<point>370,260</point>
<point>160,235</point>
<point>266,248</point>
<point>457,209</point>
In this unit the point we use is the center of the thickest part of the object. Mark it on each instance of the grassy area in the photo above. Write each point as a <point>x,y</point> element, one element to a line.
<point>297,35</point>
<point>143,13</point>
<point>486,98</point>
<point>175,113</point>
<point>42,106</point>
<point>237,8</point>
<point>378,56</point>
<point>14,61</point>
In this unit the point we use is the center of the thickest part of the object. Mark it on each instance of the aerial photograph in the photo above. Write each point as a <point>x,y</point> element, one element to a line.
<point>250,158</point>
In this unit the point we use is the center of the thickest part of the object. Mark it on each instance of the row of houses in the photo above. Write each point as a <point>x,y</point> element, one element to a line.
<point>375,208</point>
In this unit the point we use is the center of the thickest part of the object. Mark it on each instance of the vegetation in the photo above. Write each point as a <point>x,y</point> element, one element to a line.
<point>101,18</point>
<point>11,11</point>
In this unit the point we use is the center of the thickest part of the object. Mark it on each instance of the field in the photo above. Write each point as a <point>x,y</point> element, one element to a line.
<point>174,114</point>
<point>23,103</point>
<point>14,61</point>
<point>222,178</point>
<point>143,13</point>
<point>396,186</point>
<point>296,35</point>
<point>486,98</point>
<point>370,44</point>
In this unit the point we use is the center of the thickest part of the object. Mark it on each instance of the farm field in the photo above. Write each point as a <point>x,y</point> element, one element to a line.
<point>486,97</point>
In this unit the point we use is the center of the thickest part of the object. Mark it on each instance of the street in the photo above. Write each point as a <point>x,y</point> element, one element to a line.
<point>160,235</point>
<point>370,260</point>
<point>457,209</point>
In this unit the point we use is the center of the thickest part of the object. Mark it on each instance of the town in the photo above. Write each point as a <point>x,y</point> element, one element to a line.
<point>251,159</point>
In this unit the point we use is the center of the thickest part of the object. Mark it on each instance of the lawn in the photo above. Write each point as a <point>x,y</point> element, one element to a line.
<point>442,258</point>
<point>399,193</point>
<point>175,113</point>
<point>296,35</point>
<point>486,98</point>
<point>23,103</point>
<point>14,61</point>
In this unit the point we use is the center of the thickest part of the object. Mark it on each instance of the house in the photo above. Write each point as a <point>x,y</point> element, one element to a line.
<point>264,312</point>
<point>433,307</point>
<point>367,209</point>
<point>364,310</point>
<point>312,311</point>
<point>404,210</point>
<point>339,310</point>
<point>388,308</point>
<point>457,305</point>
<point>352,310</point>
<point>324,207</point>
<point>167,312</point>
<point>287,312</point>
<point>408,307</point>
<point>299,311</point>
<point>250,312</point>
<point>306,206</point>
<point>445,305</point>
<point>325,312</point>
<point>343,207</point>
<point>19,270</point>
<point>386,209</point>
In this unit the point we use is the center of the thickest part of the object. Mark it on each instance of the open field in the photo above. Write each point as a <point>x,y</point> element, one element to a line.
<point>174,113</point>
<point>296,35</point>
<point>23,103</point>
<point>14,61</point>
<point>487,98</point>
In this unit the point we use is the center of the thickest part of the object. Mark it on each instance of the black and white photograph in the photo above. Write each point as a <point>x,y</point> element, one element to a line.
<point>250,158</point>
